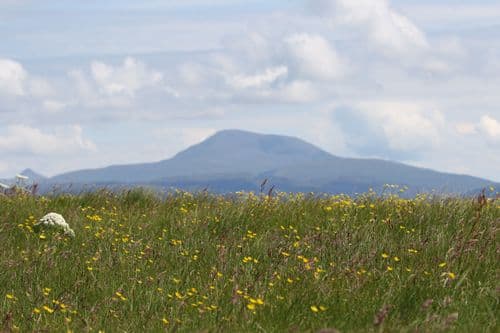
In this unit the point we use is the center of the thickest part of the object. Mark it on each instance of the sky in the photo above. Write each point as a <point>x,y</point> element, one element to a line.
<point>86,84</point>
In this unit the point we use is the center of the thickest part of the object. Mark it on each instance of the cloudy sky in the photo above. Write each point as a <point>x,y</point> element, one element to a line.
<point>92,83</point>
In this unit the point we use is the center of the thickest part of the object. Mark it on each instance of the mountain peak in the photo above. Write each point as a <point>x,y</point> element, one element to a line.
<point>238,145</point>
<point>32,174</point>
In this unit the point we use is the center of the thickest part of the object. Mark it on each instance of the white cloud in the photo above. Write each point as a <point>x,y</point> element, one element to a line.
<point>267,77</point>
<point>490,126</point>
<point>314,57</point>
<point>126,79</point>
<point>487,127</point>
<point>390,31</point>
<point>108,86</point>
<point>16,81</point>
<point>26,139</point>
<point>12,77</point>
<point>298,91</point>
<point>408,129</point>
<point>396,126</point>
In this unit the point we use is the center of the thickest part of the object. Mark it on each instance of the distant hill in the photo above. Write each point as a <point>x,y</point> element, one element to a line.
<point>32,177</point>
<point>233,160</point>
<point>36,177</point>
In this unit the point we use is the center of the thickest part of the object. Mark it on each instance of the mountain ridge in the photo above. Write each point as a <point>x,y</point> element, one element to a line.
<point>232,160</point>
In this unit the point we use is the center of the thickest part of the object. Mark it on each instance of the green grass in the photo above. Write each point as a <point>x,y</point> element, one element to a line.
<point>250,263</point>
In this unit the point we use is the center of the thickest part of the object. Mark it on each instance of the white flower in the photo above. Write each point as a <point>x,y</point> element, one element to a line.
<point>22,177</point>
<point>54,221</point>
<point>5,187</point>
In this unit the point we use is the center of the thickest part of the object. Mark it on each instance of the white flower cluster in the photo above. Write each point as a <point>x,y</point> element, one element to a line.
<point>54,221</point>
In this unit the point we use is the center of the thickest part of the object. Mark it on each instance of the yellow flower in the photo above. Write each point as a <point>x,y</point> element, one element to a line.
<point>443,264</point>
<point>251,306</point>
<point>42,236</point>
<point>385,255</point>
<point>36,310</point>
<point>451,275</point>
<point>120,295</point>
<point>389,268</point>
<point>314,308</point>
<point>396,259</point>
<point>165,321</point>
<point>48,309</point>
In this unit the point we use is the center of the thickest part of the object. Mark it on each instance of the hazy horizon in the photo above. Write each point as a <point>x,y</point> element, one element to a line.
<point>91,84</point>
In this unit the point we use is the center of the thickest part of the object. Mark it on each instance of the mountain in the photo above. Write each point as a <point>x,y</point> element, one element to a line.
<point>227,154</point>
<point>234,160</point>
<point>33,177</point>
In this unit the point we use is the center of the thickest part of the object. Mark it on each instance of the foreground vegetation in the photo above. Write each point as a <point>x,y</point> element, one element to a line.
<point>250,263</point>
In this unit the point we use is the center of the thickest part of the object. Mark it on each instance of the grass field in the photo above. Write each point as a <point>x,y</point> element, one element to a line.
<point>290,263</point>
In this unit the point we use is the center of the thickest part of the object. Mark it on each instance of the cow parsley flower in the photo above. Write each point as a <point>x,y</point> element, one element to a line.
<point>3,186</point>
<point>54,221</point>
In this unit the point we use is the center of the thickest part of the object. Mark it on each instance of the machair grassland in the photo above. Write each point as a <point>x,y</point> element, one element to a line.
<point>250,263</point>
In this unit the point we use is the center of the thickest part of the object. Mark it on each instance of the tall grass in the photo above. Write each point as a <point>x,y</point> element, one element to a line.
<point>200,262</point>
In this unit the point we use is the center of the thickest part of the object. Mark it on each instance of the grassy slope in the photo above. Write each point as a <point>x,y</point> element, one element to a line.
<point>187,263</point>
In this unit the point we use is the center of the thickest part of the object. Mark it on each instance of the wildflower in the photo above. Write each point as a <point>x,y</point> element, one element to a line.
<point>397,259</point>
<point>251,306</point>
<point>250,259</point>
<point>11,297</point>
<point>54,221</point>
<point>389,268</point>
<point>385,255</point>
<point>314,308</point>
<point>48,309</point>
<point>165,321</point>
<point>120,295</point>
<point>36,311</point>
<point>443,264</point>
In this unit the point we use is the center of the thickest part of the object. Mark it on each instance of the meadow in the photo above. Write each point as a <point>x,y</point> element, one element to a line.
<point>250,263</point>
